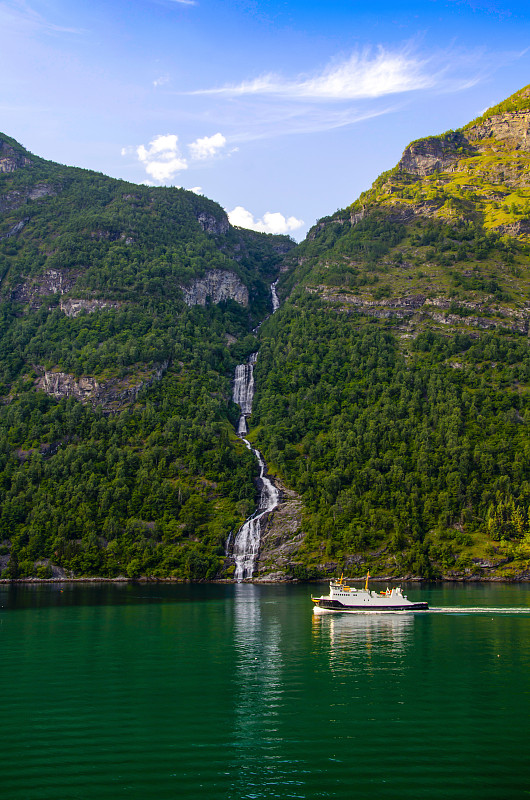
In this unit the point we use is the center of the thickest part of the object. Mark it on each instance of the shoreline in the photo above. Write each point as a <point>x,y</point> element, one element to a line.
<point>149,580</point>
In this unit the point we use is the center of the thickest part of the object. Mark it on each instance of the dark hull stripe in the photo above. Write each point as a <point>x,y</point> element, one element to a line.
<point>336,605</point>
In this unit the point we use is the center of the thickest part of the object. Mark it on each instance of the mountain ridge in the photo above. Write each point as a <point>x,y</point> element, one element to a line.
<point>422,282</point>
<point>392,386</point>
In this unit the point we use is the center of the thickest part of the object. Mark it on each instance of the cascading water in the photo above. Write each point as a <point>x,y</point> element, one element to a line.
<point>247,540</point>
<point>243,393</point>
<point>275,299</point>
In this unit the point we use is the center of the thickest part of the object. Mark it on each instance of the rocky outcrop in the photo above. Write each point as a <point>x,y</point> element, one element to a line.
<point>434,154</point>
<point>506,131</point>
<point>217,226</point>
<point>421,307</point>
<point>72,308</point>
<point>14,230</point>
<point>111,394</point>
<point>53,281</point>
<point>217,285</point>
<point>511,130</point>
<point>283,248</point>
<point>112,236</point>
<point>281,537</point>
<point>10,160</point>
<point>520,227</point>
<point>10,201</point>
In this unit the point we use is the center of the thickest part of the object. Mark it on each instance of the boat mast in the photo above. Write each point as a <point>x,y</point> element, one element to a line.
<point>366,584</point>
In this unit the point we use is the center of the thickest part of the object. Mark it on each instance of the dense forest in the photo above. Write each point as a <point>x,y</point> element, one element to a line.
<point>392,386</point>
<point>147,477</point>
<point>422,454</point>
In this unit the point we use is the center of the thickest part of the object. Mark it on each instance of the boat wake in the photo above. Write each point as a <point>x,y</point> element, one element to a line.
<point>479,610</point>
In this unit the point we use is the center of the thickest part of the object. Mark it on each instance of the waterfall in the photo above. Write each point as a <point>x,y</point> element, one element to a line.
<point>246,543</point>
<point>275,299</point>
<point>243,393</point>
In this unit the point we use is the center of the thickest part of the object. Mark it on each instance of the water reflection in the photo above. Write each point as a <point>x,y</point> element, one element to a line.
<point>259,766</point>
<point>363,636</point>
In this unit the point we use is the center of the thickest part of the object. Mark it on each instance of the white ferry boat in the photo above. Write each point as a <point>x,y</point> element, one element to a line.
<point>342,597</point>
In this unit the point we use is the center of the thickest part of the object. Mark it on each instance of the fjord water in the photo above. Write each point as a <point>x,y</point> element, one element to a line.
<point>239,691</point>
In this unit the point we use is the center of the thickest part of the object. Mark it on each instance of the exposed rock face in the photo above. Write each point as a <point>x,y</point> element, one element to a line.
<point>435,154</point>
<point>112,236</point>
<point>421,307</point>
<point>72,308</point>
<point>215,225</point>
<point>10,160</point>
<point>511,129</point>
<point>15,199</point>
<point>217,285</point>
<point>14,230</point>
<point>111,394</point>
<point>53,281</point>
<point>281,537</point>
<point>283,249</point>
<point>518,228</point>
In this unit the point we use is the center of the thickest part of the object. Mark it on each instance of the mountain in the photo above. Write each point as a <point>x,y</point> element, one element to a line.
<point>393,384</point>
<point>392,387</point>
<point>123,312</point>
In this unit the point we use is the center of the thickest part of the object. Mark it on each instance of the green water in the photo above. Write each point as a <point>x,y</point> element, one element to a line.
<point>241,692</point>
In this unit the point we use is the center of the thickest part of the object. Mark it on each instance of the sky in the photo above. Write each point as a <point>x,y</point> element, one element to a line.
<point>282,111</point>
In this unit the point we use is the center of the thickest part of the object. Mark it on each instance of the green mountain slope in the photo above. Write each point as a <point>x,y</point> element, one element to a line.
<point>123,312</point>
<point>394,383</point>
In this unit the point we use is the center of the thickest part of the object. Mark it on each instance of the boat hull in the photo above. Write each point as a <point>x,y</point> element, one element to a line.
<point>325,604</point>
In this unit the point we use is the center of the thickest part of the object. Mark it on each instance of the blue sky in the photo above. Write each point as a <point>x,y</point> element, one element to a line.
<point>281,111</point>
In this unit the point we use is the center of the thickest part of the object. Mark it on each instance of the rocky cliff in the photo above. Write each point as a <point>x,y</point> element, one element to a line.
<point>111,395</point>
<point>434,154</point>
<point>216,285</point>
<point>485,314</point>
<point>217,226</point>
<point>281,538</point>
<point>11,158</point>
<point>53,281</point>
<point>73,307</point>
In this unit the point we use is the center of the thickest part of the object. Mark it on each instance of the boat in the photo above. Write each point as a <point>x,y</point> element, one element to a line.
<point>343,597</point>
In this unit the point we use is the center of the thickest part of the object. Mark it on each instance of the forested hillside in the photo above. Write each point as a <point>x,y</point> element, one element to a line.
<point>394,384</point>
<point>392,387</point>
<point>124,310</point>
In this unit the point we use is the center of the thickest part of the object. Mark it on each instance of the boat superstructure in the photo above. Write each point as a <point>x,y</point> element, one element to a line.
<point>343,597</point>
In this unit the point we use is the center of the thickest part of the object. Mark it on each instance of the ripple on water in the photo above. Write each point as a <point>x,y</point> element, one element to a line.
<point>248,695</point>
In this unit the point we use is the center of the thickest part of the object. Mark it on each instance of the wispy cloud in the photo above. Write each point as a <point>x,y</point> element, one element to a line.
<point>361,76</point>
<point>19,14</point>
<point>264,123</point>
<point>162,80</point>
<point>272,222</point>
<point>176,2</point>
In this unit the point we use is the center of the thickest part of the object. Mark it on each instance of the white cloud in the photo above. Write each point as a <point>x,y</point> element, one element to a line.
<point>207,147</point>
<point>360,76</point>
<point>196,189</point>
<point>161,80</point>
<point>162,159</point>
<point>272,222</point>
